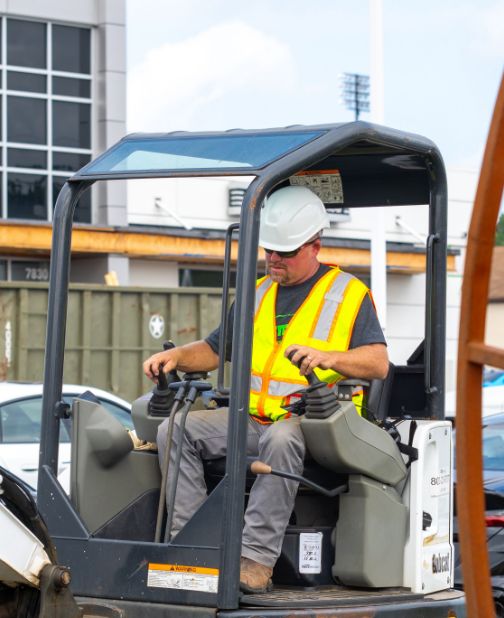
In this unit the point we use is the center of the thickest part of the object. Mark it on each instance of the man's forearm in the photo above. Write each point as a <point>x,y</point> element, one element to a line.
<point>366,362</point>
<point>196,356</point>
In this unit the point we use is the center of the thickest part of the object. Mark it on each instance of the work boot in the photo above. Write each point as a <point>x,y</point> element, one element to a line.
<point>254,577</point>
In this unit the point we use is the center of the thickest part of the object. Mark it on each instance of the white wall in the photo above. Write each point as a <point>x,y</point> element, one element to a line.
<point>191,203</point>
<point>405,315</point>
<point>152,273</point>
<point>494,334</point>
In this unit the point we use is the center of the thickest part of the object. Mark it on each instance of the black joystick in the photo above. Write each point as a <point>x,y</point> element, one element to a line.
<point>319,400</point>
<point>162,396</point>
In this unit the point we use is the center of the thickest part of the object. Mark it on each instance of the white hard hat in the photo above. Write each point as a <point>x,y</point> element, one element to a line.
<point>290,217</point>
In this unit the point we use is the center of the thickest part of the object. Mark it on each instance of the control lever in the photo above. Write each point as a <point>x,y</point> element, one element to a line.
<point>162,398</point>
<point>320,400</point>
<point>311,377</point>
<point>186,391</point>
<point>193,385</point>
<point>169,345</point>
<point>259,467</point>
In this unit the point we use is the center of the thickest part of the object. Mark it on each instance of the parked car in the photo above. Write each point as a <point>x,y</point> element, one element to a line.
<point>493,486</point>
<point>493,377</point>
<point>20,418</point>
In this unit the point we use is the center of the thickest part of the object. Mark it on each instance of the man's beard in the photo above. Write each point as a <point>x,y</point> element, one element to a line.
<point>280,276</point>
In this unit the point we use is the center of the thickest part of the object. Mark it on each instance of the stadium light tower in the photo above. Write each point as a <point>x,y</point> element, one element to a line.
<point>355,92</point>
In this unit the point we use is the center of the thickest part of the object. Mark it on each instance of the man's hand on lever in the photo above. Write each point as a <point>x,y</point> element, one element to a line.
<point>308,359</point>
<point>366,362</point>
<point>195,356</point>
<point>165,361</point>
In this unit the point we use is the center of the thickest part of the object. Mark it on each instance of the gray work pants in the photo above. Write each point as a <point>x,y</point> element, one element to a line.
<point>271,500</point>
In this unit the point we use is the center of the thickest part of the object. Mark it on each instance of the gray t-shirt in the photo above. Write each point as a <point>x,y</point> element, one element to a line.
<point>367,329</point>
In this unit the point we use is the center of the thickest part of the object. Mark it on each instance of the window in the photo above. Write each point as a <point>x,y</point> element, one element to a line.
<point>69,161</point>
<point>22,157</point>
<point>122,415</point>
<point>20,420</point>
<point>71,124</point>
<point>26,43</point>
<point>26,196</point>
<point>72,87</point>
<point>26,120</point>
<point>192,277</point>
<point>29,271</point>
<point>47,114</point>
<point>493,447</point>
<point>71,49</point>
<point>31,82</point>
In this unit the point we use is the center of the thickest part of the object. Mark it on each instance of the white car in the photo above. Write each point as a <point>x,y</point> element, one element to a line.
<point>20,419</point>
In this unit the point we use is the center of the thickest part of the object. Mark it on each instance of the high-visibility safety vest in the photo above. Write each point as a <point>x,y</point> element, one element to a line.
<point>324,321</point>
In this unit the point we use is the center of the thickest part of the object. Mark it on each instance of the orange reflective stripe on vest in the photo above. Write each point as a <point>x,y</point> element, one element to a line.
<point>324,321</point>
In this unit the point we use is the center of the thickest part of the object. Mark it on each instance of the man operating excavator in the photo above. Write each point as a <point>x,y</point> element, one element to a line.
<point>307,316</point>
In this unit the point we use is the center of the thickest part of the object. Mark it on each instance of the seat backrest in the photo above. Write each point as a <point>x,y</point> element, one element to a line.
<point>378,398</point>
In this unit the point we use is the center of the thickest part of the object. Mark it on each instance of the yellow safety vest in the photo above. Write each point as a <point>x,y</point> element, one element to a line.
<point>324,321</point>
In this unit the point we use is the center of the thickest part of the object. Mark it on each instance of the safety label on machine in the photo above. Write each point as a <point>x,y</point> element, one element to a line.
<point>310,552</point>
<point>326,184</point>
<point>182,577</point>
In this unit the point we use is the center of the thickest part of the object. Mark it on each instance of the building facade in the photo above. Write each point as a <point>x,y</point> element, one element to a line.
<point>62,98</point>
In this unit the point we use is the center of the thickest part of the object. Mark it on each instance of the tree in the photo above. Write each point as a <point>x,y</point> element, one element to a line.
<point>499,232</point>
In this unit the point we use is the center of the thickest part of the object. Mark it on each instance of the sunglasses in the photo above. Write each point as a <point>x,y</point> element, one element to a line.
<point>290,254</point>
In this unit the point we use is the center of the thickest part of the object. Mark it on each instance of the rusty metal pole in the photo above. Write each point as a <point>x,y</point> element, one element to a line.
<point>472,355</point>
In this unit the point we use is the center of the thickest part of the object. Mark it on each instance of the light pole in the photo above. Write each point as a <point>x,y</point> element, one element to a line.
<point>355,92</point>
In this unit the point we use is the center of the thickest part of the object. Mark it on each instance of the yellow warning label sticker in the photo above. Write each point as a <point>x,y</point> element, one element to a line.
<point>183,577</point>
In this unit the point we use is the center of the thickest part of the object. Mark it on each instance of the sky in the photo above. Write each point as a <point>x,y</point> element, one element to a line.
<point>224,64</point>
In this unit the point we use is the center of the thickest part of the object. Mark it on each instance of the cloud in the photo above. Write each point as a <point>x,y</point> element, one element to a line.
<point>492,18</point>
<point>479,25</point>
<point>192,83</point>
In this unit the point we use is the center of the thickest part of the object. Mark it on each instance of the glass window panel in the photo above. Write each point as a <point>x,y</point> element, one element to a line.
<point>71,49</point>
<point>83,208</point>
<point>26,120</point>
<point>26,196</point>
<point>69,87</point>
<point>69,161</point>
<point>71,124</point>
<point>29,271</point>
<point>20,422</point>
<point>30,82</point>
<point>122,415</point>
<point>19,157</point>
<point>3,270</point>
<point>193,277</point>
<point>200,153</point>
<point>26,43</point>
